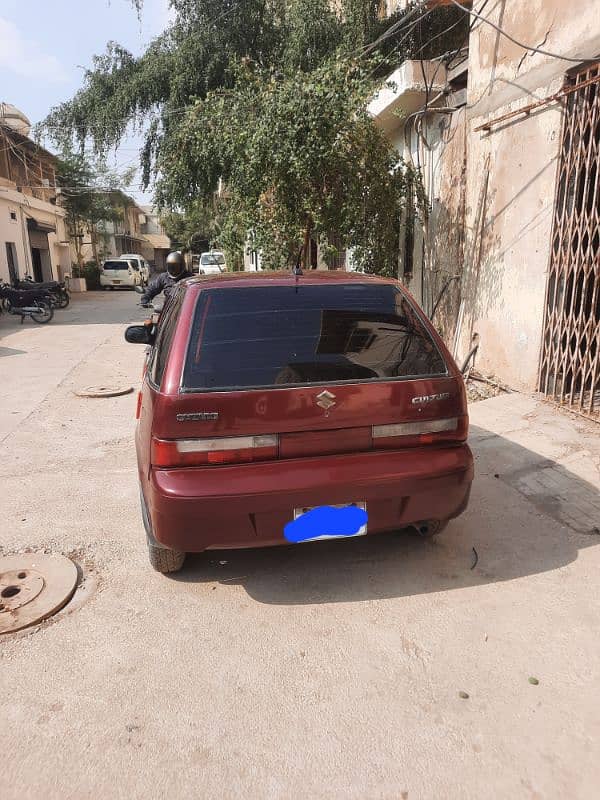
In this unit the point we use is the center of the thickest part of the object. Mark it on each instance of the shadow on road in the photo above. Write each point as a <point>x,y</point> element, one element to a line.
<point>89,308</point>
<point>10,351</point>
<point>514,536</point>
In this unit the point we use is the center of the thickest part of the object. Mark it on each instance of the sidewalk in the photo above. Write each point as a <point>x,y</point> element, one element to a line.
<point>556,465</point>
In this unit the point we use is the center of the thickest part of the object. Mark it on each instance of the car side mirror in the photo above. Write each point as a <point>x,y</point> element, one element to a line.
<point>139,334</point>
<point>139,289</point>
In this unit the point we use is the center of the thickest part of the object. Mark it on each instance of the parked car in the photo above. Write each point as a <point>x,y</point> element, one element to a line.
<point>141,262</point>
<point>267,396</point>
<point>120,272</point>
<point>212,263</point>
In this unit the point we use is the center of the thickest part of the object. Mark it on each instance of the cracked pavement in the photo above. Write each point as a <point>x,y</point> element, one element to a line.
<point>327,670</point>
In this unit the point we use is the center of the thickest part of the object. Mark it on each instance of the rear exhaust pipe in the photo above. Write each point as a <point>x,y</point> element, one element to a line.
<point>427,528</point>
<point>422,528</point>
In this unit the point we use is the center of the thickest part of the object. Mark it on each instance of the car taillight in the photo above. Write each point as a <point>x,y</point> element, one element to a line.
<point>403,434</point>
<point>210,452</point>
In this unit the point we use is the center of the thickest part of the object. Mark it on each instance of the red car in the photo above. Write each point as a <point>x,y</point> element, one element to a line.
<point>270,397</point>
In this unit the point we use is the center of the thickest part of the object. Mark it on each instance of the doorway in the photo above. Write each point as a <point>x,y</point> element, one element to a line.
<point>570,353</point>
<point>36,260</point>
<point>11,257</point>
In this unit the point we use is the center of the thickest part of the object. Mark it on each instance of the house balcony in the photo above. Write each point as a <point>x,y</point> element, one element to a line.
<point>405,91</point>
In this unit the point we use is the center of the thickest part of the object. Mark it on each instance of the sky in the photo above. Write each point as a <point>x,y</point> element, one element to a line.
<point>46,44</point>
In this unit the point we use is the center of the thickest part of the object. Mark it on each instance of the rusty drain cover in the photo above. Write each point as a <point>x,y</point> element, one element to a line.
<point>33,586</point>
<point>104,391</point>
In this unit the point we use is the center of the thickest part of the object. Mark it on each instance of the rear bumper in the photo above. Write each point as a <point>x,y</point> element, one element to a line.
<point>249,505</point>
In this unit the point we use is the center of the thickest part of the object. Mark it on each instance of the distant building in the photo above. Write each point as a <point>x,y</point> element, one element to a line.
<point>157,244</point>
<point>138,231</point>
<point>33,237</point>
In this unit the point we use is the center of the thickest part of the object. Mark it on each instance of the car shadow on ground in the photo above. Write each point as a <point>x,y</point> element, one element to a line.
<point>506,533</point>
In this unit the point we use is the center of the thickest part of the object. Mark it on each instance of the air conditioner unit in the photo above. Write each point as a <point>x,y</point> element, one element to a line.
<point>45,183</point>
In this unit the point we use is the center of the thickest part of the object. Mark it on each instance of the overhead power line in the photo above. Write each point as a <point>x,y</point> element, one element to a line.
<point>398,25</point>
<point>528,47</point>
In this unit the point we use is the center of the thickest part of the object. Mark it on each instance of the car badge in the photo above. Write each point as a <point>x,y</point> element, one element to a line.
<point>199,416</point>
<point>429,398</point>
<point>326,400</point>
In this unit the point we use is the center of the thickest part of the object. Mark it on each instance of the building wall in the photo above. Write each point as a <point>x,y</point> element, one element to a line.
<point>14,231</point>
<point>27,192</point>
<point>57,261</point>
<point>443,160</point>
<point>437,255</point>
<point>511,176</point>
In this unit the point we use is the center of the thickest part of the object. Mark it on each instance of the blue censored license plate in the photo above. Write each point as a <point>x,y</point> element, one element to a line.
<point>327,522</point>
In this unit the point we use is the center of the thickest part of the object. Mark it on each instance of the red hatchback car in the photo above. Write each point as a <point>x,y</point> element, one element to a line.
<point>267,396</point>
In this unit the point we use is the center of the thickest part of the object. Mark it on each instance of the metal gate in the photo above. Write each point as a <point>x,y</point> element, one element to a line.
<point>570,354</point>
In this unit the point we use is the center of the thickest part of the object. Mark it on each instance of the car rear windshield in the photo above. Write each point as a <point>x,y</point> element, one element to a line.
<point>256,337</point>
<point>115,265</point>
<point>214,259</point>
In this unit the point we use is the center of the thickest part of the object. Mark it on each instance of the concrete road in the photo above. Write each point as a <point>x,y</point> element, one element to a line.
<point>322,671</point>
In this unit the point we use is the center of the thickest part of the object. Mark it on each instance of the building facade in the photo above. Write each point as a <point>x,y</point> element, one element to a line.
<point>33,238</point>
<point>507,139</point>
<point>157,245</point>
<point>137,231</point>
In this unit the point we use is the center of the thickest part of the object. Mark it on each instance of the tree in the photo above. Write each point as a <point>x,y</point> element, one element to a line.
<point>91,197</point>
<point>198,223</point>
<point>308,162</point>
<point>287,46</point>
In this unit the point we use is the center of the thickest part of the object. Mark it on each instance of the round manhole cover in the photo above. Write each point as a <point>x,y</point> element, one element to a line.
<point>33,587</point>
<point>104,391</point>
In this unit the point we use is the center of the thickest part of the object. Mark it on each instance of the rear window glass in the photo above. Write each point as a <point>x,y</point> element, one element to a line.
<point>115,265</point>
<point>271,336</point>
<point>213,259</point>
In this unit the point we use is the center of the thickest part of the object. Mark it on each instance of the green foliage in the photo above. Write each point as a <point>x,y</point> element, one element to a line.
<point>91,272</point>
<point>267,95</point>
<point>198,223</point>
<point>90,197</point>
<point>308,160</point>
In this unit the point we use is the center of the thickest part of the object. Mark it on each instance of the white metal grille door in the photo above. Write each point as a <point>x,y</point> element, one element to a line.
<point>570,357</point>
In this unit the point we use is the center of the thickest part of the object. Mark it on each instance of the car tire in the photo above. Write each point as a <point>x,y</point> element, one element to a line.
<point>165,561</point>
<point>429,528</point>
<point>162,559</point>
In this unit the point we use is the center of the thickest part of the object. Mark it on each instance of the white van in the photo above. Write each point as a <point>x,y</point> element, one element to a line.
<point>120,272</point>
<point>142,264</point>
<point>212,263</point>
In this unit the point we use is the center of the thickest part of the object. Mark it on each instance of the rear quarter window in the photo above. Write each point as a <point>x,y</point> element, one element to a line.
<point>166,331</point>
<point>258,337</point>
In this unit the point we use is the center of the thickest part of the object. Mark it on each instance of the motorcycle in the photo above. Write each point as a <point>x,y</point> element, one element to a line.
<point>33,303</point>
<point>59,294</point>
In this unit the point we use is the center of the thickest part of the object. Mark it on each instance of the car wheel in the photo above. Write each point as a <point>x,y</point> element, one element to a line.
<point>165,561</point>
<point>161,558</point>
<point>428,528</point>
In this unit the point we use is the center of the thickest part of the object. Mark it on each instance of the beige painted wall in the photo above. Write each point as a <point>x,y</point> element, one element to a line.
<point>16,232</point>
<point>508,246</point>
<point>11,231</point>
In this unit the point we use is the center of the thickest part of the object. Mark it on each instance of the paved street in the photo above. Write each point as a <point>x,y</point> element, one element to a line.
<point>328,670</point>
